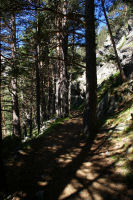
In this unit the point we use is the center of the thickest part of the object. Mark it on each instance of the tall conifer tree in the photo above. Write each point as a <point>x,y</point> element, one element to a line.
<point>91,80</point>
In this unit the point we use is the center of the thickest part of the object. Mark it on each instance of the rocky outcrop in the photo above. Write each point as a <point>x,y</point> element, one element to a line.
<point>112,101</point>
<point>126,51</point>
<point>106,66</point>
<point>105,56</point>
<point>105,71</point>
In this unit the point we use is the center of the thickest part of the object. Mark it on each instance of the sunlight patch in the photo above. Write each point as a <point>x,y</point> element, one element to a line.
<point>42,183</point>
<point>70,189</point>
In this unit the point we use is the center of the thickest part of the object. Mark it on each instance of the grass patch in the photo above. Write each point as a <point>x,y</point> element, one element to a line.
<point>55,124</point>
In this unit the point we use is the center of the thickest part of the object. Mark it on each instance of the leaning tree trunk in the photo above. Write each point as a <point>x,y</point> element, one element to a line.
<point>123,77</point>
<point>91,80</point>
<point>15,106</point>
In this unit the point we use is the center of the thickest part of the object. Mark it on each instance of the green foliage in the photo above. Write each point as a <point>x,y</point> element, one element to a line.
<point>55,124</point>
<point>99,60</point>
<point>109,57</point>
<point>121,45</point>
<point>101,37</point>
<point>12,144</point>
<point>108,85</point>
<point>119,13</point>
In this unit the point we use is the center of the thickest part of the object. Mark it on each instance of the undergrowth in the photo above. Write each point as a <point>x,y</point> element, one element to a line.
<point>12,144</point>
<point>108,85</point>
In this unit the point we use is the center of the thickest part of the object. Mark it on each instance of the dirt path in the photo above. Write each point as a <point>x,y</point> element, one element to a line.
<point>66,167</point>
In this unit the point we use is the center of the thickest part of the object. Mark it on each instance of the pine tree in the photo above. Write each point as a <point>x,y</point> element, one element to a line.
<point>3,185</point>
<point>14,89</point>
<point>91,80</point>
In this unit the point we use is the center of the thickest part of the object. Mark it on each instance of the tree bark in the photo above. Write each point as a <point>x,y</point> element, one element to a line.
<point>50,90</point>
<point>62,48</point>
<point>4,131</point>
<point>15,106</point>
<point>37,94</point>
<point>58,67</point>
<point>37,68</point>
<point>70,73</point>
<point>43,96</point>
<point>3,186</point>
<point>65,53</point>
<point>123,77</point>
<point>91,80</point>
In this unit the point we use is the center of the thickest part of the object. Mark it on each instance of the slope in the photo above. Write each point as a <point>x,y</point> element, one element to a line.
<point>63,164</point>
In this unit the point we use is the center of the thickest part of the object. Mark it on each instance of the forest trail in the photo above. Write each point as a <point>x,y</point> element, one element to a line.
<point>66,167</point>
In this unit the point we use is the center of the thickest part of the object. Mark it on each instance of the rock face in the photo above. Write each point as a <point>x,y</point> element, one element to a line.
<point>124,45</point>
<point>112,101</point>
<point>106,65</point>
<point>105,71</point>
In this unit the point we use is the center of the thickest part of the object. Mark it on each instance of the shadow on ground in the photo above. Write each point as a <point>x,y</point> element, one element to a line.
<point>65,166</point>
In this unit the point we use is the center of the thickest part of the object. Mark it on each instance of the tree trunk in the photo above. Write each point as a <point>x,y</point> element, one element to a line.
<point>62,47</point>
<point>43,100</point>
<point>4,131</point>
<point>123,77</point>
<point>37,94</point>
<point>31,108</point>
<point>65,53</point>
<point>3,186</point>
<point>50,91</point>
<point>91,80</point>
<point>57,71</point>
<point>15,106</point>
<point>70,73</point>
<point>37,68</point>
<point>56,83</point>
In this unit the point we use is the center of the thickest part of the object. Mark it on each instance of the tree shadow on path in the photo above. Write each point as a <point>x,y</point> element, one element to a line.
<point>66,166</point>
